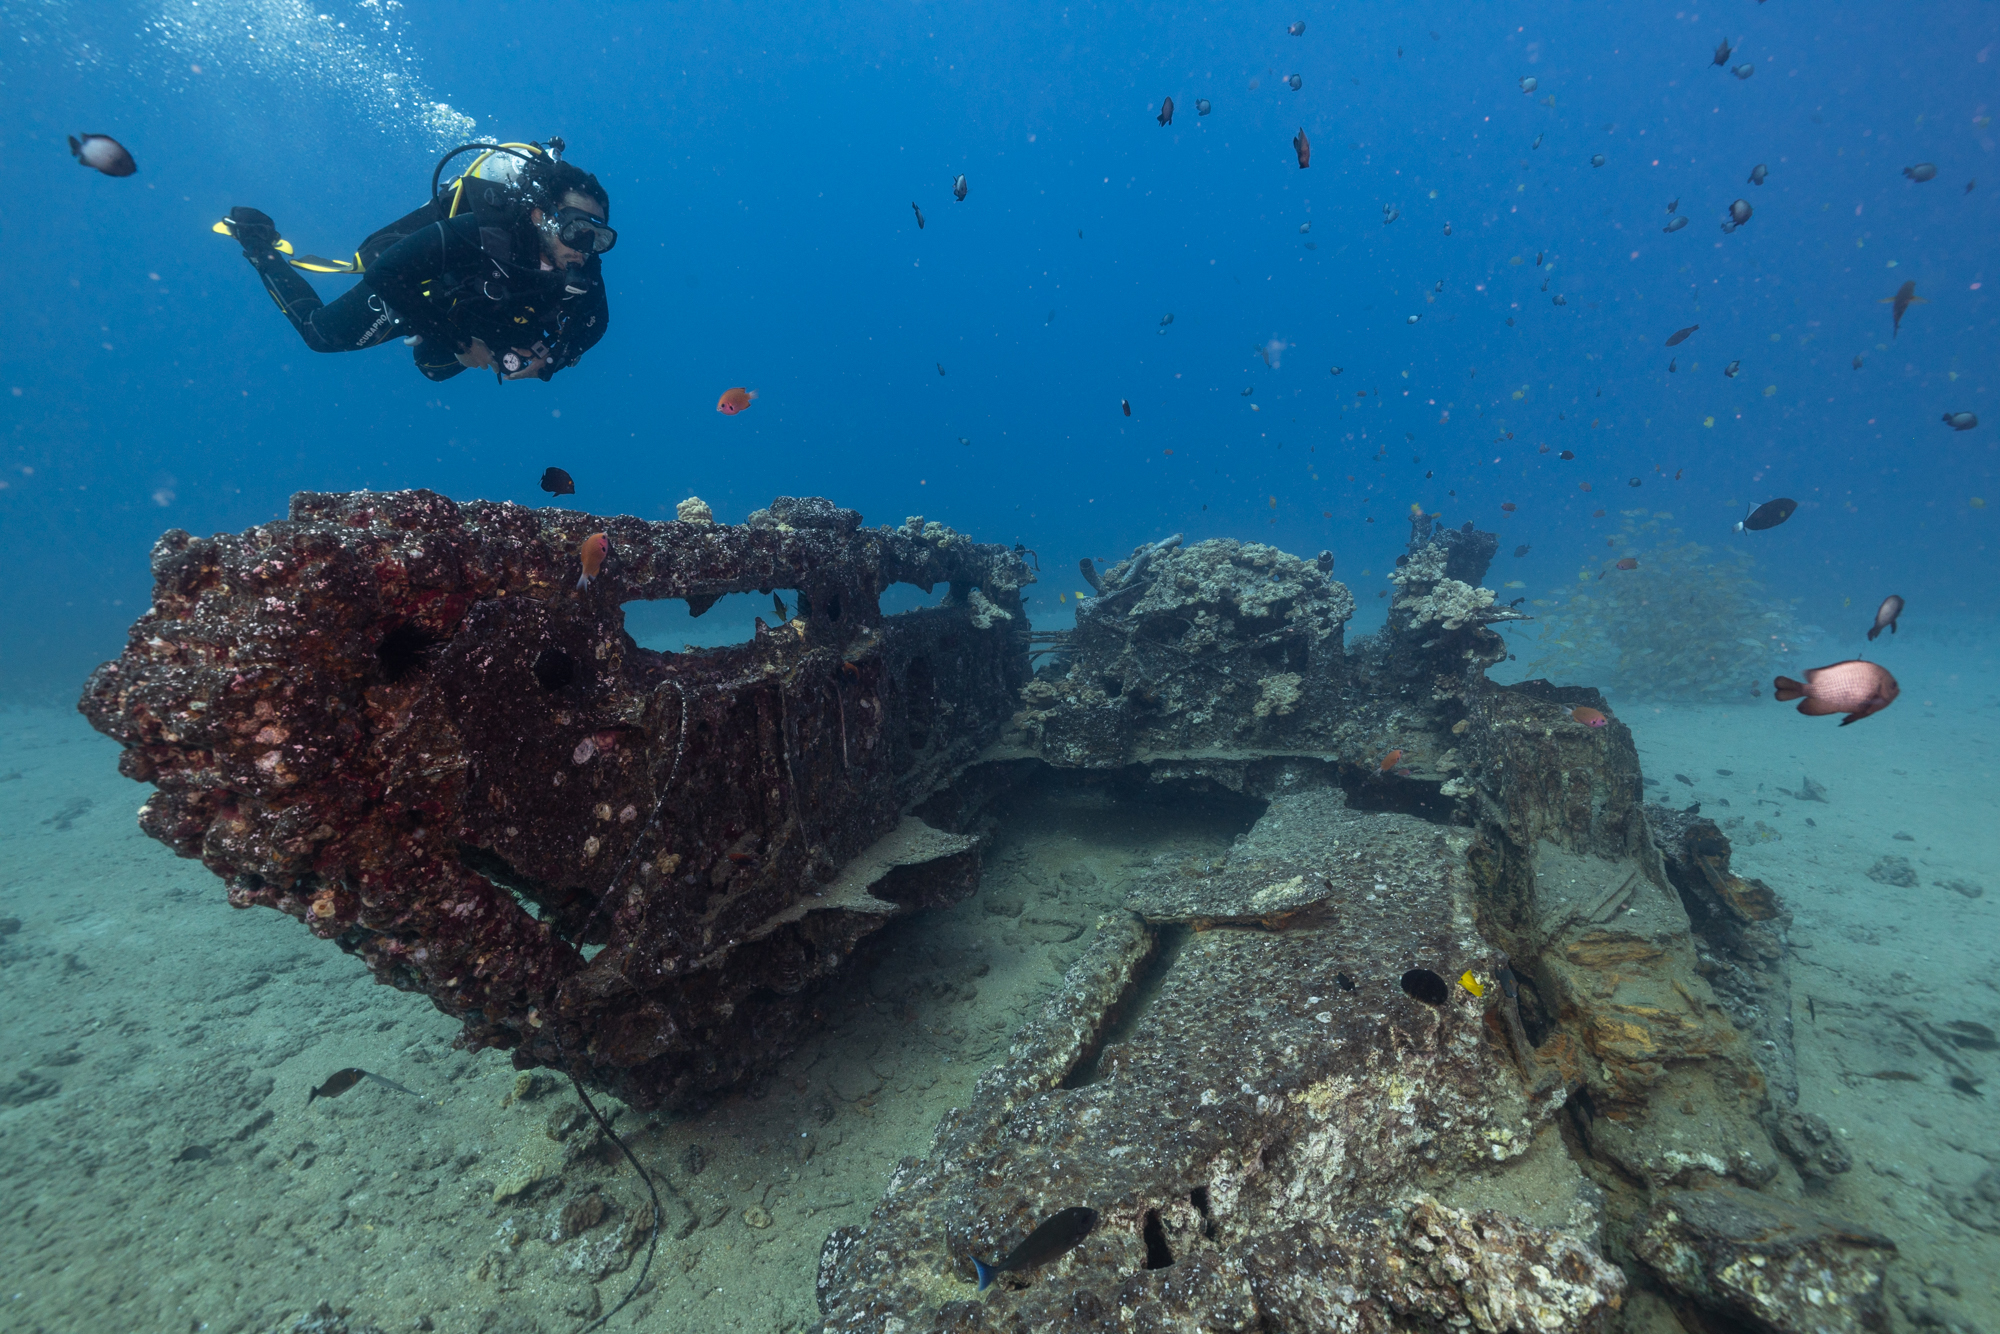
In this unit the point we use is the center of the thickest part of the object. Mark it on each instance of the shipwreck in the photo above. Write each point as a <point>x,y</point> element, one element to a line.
<point>1302,1086</point>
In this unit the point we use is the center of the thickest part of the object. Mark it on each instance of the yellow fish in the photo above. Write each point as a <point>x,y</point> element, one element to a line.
<point>1471,983</point>
<point>1513,583</point>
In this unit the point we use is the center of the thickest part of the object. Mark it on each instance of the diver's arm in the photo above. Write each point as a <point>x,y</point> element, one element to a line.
<point>401,273</point>
<point>584,320</point>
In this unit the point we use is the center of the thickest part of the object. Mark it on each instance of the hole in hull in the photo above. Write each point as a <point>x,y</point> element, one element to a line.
<point>1424,985</point>
<point>1158,1256</point>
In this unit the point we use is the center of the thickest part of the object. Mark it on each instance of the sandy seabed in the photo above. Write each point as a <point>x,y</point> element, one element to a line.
<point>162,1171</point>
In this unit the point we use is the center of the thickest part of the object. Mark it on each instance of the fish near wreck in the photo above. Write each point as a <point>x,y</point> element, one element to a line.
<point>1053,1239</point>
<point>1885,616</point>
<point>1855,688</point>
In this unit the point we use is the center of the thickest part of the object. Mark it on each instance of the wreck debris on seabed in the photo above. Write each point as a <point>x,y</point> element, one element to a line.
<point>1419,1052</point>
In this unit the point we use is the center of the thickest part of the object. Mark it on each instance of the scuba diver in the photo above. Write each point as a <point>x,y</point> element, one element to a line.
<point>502,269</point>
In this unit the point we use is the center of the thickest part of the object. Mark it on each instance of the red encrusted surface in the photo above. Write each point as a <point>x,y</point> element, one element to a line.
<point>343,718</point>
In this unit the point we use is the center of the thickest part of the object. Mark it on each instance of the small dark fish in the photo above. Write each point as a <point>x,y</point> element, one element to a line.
<point>1053,1238</point>
<point>1249,390</point>
<point>342,1080</point>
<point>557,482</point>
<point>1767,515</point>
<point>940,366</point>
<point>1345,982</point>
<point>1297,29</point>
<point>920,214</point>
<point>1961,421</point>
<point>1597,159</point>
<point>1202,106</point>
<point>1303,147</point>
<point>1390,214</point>
<point>1628,563</point>
<point>1857,361</point>
<point>1567,455</point>
<point>1854,687</point>
<point>1886,614</point>
<point>1126,404</point>
<point>1722,49</point>
<point>1166,116</point>
<point>1529,84</point>
<point>1447,229</point>
<point>1969,184</point>
<point>1675,205</point>
<point>1521,550</point>
<point>965,440</point>
<point>1684,779</point>
<point>1812,1010</point>
<point>1906,296</point>
<point>1744,71</point>
<point>103,153</point>
<point>1679,336</point>
<point>1730,371</point>
<point>1517,602</point>
<point>1758,173</point>
<point>1634,482</point>
<point>1293,81</point>
<point>1739,212</point>
<point>1923,171</point>
<point>1334,370</point>
<point>1051,319</point>
<point>1537,143</point>
<point>1673,364</point>
<point>784,612</point>
<point>1675,223</point>
<point>958,187</point>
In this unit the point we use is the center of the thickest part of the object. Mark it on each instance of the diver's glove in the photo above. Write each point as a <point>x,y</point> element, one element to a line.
<point>253,230</point>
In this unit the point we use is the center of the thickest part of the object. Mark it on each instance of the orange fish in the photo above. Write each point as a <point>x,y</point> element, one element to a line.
<point>1303,147</point>
<point>1588,716</point>
<point>735,400</point>
<point>1391,760</point>
<point>1508,506</point>
<point>592,553</point>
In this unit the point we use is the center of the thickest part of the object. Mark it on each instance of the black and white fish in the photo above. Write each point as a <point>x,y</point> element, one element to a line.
<point>1767,515</point>
<point>103,153</point>
<point>1885,616</point>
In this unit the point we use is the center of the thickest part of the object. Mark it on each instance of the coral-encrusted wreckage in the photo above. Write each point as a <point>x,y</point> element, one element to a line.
<point>1460,1035</point>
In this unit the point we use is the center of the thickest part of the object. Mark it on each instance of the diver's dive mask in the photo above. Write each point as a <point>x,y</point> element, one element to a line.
<point>582,230</point>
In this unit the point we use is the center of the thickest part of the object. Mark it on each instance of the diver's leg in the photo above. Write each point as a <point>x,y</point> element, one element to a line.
<point>356,320</point>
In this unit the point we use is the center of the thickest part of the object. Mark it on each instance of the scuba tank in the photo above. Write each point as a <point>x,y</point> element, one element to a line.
<point>501,185</point>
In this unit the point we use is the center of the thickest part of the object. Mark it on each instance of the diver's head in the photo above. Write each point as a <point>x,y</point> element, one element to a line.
<point>578,224</point>
<point>578,228</point>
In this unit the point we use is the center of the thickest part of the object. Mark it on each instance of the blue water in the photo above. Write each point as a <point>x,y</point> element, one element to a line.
<point>762,163</point>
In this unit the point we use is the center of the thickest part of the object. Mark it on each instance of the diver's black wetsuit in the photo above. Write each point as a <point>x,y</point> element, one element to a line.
<point>449,282</point>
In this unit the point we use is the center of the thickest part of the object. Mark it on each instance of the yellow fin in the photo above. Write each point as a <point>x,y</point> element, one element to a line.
<point>1471,983</point>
